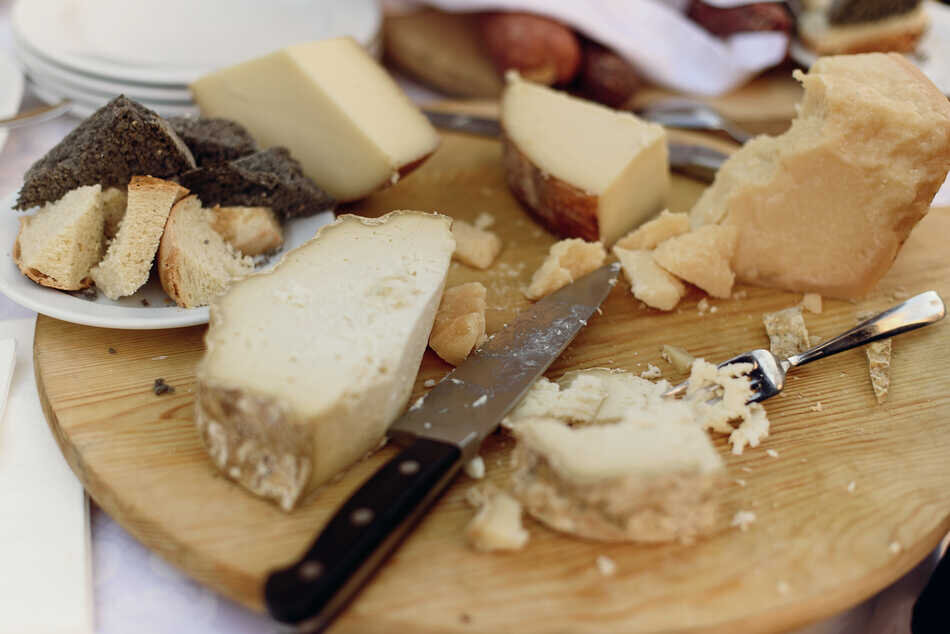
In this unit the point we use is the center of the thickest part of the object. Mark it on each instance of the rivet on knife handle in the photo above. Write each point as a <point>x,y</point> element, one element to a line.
<point>359,537</point>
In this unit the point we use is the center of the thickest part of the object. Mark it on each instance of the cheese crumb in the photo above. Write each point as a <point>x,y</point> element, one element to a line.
<point>783,587</point>
<point>740,482</point>
<point>473,246</point>
<point>481,400</point>
<point>651,233</point>
<point>702,306</point>
<point>652,372</point>
<point>787,333</point>
<point>459,323</point>
<point>743,519</point>
<point>475,468</point>
<point>484,220</point>
<point>567,261</point>
<point>772,453</point>
<point>879,368</point>
<point>816,407</point>
<point>851,486</point>
<point>680,359</point>
<point>649,283</point>
<point>418,403</point>
<point>812,302</point>
<point>497,524</point>
<point>740,294</point>
<point>429,383</point>
<point>606,565</point>
<point>894,547</point>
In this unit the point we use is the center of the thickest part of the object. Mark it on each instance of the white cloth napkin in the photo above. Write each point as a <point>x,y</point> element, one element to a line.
<point>654,35</point>
<point>45,570</point>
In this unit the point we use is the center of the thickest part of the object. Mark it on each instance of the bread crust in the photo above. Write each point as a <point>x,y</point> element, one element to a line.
<point>169,257</point>
<point>37,276</point>
<point>898,34</point>
<point>559,206</point>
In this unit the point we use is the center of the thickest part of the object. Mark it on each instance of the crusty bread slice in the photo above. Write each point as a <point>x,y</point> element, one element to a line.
<point>898,33</point>
<point>130,255</point>
<point>114,202</point>
<point>250,230</point>
<point>195,264</point>
<point>58,244</point>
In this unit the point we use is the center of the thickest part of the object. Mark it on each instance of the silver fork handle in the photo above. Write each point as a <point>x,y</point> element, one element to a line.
<point>917,311</point>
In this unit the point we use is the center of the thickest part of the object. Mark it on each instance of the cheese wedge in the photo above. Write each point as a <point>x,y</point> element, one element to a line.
<point>337,110</point>
<point>583,169</point>
<point>306,365</point>
<point>826,206</point>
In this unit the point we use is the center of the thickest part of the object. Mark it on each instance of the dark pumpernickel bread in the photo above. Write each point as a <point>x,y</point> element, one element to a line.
<point>858,11</point>
<point>119,140</point>
<point>212,139</point>
<point>270,178</point>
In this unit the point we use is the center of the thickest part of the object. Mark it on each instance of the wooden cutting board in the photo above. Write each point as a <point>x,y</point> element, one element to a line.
<point>815,549</point>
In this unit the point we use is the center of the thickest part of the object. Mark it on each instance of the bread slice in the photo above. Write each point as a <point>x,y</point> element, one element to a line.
<point>58,244</point>
<point>308,364</point>
<point>271,178</point>
<point>583,169</point>
<point>899,33</point>
<point>117,141</point>
<point>129,258</point>
<point>826,206</point>
<point>114,201</point>
<point>250,230</point>
<point>195,264</point>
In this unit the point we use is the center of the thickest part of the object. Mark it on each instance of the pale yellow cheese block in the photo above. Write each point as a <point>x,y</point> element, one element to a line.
<point>583,169</point>
<point>337,110</point>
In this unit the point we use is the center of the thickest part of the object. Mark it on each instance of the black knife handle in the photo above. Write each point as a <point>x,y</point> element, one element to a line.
<point>359,537</point>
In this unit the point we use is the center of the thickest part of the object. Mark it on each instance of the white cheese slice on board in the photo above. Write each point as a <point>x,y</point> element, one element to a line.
<point>46,583</point>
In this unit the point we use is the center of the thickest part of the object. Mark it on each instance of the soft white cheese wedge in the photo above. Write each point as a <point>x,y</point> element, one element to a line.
<point>308,364</point>
<point>585,170</point>
<point>333,106</point>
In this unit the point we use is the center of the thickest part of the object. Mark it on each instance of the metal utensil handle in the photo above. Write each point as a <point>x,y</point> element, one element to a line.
<point>359,537</point>
<point>917,311</point>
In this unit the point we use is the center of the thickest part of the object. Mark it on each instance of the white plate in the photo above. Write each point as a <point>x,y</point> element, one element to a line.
<point>932,55</point>
<point>34,63</point>
<point>177,41</point>
<point>11,90</point>
<point>129,312</point>
<point>84,104</point>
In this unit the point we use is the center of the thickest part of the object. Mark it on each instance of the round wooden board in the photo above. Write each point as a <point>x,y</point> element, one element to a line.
<point>140,458</point>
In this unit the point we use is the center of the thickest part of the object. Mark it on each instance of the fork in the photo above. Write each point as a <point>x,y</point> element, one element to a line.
<point>767,376</point>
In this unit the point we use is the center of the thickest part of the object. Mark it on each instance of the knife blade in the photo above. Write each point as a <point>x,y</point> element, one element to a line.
<point>441,432</point>
<point>698,161</point>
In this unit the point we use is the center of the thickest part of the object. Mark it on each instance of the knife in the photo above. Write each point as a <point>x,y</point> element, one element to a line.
<point>698,161</point>
<point>440,433</point>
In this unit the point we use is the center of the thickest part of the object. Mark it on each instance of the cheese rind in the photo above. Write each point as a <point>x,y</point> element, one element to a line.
<point>585,170</point>
<point>826,206</point>
<point>306,365</point>
<point>337,110</point>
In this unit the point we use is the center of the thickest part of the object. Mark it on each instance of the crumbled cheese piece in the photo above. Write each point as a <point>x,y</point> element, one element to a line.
<point>783,587</point>
<point>702,306</point>
<point>787,333</point>
<point>743,519</point>
<point>418,403</point>
<point>606,565</point>
<point>719,397</point>
<point>816,407</point>
<point>475,468</point>
<point>894,547</point>
<point>160,357</point>
<point>740,294</point>
<point>429,383</point>
<point>652,372</point>
<point>474,246</point>
<point>497,524</point>
<point>481,400</point>
<point>460,322</point>
<point>577,402</point>
<point>812,302</point>
<point>567,261</point>
<point>772,453</point>
<point>879,367</point>
<point>649,283</point>
<point>680,359</point>
<point>651,233</point>
<point>851,486</point>
<point>702,257</point>
<point>484,220</point>
<point>740,482</point>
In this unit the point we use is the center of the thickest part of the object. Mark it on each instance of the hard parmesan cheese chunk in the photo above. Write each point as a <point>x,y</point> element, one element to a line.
<point>583,169</point>
<point>787,332</point>
<point>618,482</point>
<point>701,257</point>
<point>567,261</point>
<point>291,393</point>
<point>497,523</point>
<point>679,358</point>
<point>650,283</point>
<point>473,246</point>
<point>826,206</point>
<point>333,106</point>
<point>459,323</point>
<point>651,233</point>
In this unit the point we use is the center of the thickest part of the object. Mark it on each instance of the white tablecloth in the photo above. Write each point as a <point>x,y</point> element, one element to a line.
<point>136,591</point>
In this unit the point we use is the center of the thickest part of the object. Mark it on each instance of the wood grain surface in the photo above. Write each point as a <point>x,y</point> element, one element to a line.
<point>815,548</point>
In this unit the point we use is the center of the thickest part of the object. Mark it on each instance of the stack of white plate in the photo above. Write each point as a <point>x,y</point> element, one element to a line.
<point>89,51</point>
